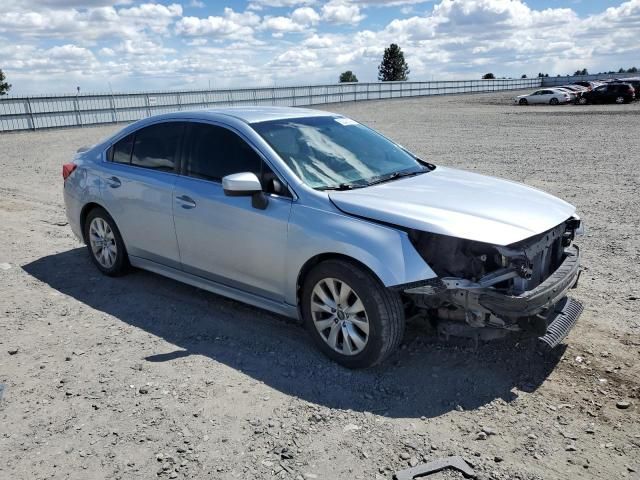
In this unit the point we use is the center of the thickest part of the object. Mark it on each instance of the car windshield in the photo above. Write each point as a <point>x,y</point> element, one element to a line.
<point>331,152</point>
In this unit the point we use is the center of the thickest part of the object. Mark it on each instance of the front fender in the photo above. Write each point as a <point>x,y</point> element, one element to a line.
<point>387,251</point>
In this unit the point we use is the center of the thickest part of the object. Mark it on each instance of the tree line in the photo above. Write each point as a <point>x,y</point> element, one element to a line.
<point>584,71</point>
<point>394,68</point>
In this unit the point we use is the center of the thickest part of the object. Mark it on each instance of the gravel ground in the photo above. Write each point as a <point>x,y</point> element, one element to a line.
<point>140,376</point>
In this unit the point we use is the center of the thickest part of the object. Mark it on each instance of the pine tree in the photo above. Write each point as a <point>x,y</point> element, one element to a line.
<point>4,86</point>
<point>393,67</point>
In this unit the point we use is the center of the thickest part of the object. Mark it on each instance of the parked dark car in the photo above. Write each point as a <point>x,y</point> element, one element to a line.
<point>610,93</point>
<point>634,82</point>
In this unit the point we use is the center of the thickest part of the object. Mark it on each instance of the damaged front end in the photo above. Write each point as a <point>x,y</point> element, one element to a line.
<point>485,291</point>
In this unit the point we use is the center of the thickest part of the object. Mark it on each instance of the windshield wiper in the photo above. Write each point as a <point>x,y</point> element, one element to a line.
<point>342,186</point>
<point>394,176</point>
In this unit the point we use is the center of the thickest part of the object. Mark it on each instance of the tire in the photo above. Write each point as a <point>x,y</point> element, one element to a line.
<point>620,100</point>
<point>523,101</point>
<point>582,101</point>
<point>104,243</point>
<point>353,337</point>
<point>554,101</point>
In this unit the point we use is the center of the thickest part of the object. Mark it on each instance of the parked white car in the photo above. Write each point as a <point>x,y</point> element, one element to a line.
<point>550,96</point>
<point>573,96</point>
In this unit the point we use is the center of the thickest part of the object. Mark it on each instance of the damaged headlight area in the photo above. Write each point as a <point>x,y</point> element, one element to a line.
<point>517,287</point>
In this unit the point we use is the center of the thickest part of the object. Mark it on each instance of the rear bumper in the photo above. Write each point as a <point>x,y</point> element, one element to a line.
<point>544,296</point>
<point>72,210</point>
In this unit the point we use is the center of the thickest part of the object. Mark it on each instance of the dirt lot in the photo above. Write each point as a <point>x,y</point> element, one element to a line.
<point>140,376</point>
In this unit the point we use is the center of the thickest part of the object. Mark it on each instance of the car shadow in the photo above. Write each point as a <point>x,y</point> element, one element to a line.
<point>424,378</point>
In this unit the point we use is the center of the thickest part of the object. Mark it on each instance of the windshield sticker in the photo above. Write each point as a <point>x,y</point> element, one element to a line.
<point>345,121</point>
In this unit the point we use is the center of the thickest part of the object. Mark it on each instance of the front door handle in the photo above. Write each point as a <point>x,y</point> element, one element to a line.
<point>114,182</point>
<point>187,202</point>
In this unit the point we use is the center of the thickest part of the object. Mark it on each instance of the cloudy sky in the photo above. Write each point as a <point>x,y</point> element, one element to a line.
<point>55,45</point>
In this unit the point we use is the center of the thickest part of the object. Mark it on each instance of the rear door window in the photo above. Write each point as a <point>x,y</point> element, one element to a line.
<point>157,146</point>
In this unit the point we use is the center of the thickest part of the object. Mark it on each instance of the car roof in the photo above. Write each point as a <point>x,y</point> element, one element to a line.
<point>248,114</point>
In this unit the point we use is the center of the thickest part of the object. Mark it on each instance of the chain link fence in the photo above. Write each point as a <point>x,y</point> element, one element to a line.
<point>54,111</point>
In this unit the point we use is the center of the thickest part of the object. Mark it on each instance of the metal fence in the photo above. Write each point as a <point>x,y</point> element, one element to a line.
<point>53,111</point>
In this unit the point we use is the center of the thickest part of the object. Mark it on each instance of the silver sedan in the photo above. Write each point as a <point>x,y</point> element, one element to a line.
<point>315,216</point>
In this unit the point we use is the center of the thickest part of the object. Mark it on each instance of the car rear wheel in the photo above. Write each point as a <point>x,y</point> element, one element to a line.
<point>523,101</point>
<point>619,99</point>
<point>582,101</point>
<point>353,318</point>
<point>104,243</point>
<point>554,101</point>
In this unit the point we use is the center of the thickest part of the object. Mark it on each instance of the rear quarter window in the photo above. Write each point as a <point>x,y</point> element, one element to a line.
<point>120,152</point>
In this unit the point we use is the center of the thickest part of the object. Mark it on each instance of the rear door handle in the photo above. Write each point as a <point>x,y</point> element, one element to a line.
<point>187,202</point>
<point>114,182</point>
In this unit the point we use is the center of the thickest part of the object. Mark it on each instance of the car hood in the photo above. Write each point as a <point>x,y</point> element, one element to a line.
<point>459,204</point>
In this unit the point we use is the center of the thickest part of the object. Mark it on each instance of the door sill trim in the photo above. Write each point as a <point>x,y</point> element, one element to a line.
<point>215,287</point>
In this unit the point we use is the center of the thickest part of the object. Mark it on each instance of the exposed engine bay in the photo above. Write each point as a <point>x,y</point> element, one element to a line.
<point>517,287</point>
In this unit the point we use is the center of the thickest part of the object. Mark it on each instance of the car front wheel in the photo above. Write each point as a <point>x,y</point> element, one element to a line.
<point>554,101</point>
<point>523,101</point>
<point>619,100</point>
<point>104,243</point>
<point>353,318</point>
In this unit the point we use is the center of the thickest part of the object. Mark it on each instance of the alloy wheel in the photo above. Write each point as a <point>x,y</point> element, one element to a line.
<point>103,242</point>
<point>620,100</point>
<point>339,316</point>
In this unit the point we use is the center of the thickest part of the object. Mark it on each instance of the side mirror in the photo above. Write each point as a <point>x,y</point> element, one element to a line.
<point>245,184</point>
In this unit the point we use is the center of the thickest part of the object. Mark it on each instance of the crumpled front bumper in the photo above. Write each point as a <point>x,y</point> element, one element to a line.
<point>545,310</point>
<point>544,296</point>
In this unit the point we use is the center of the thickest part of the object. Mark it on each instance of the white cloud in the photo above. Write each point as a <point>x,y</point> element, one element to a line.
<point>305,16</point>
<point>46,44</point>
<point>389,3</point>
<point>296,58</point>
<point>231,25</point>
<point>300,20</point>
<point>59,59</point>
<point>342,12</point>
<point>281,25</point>
<point>261,4</point>
<point>152,15</point>
<point>142,46</point>
<point>107,52</point>
<point>317,41</point>
<point>62,4</point>
<point>92,24</point>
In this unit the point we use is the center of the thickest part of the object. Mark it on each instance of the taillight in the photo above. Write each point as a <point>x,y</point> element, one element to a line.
<point>67,169</point>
